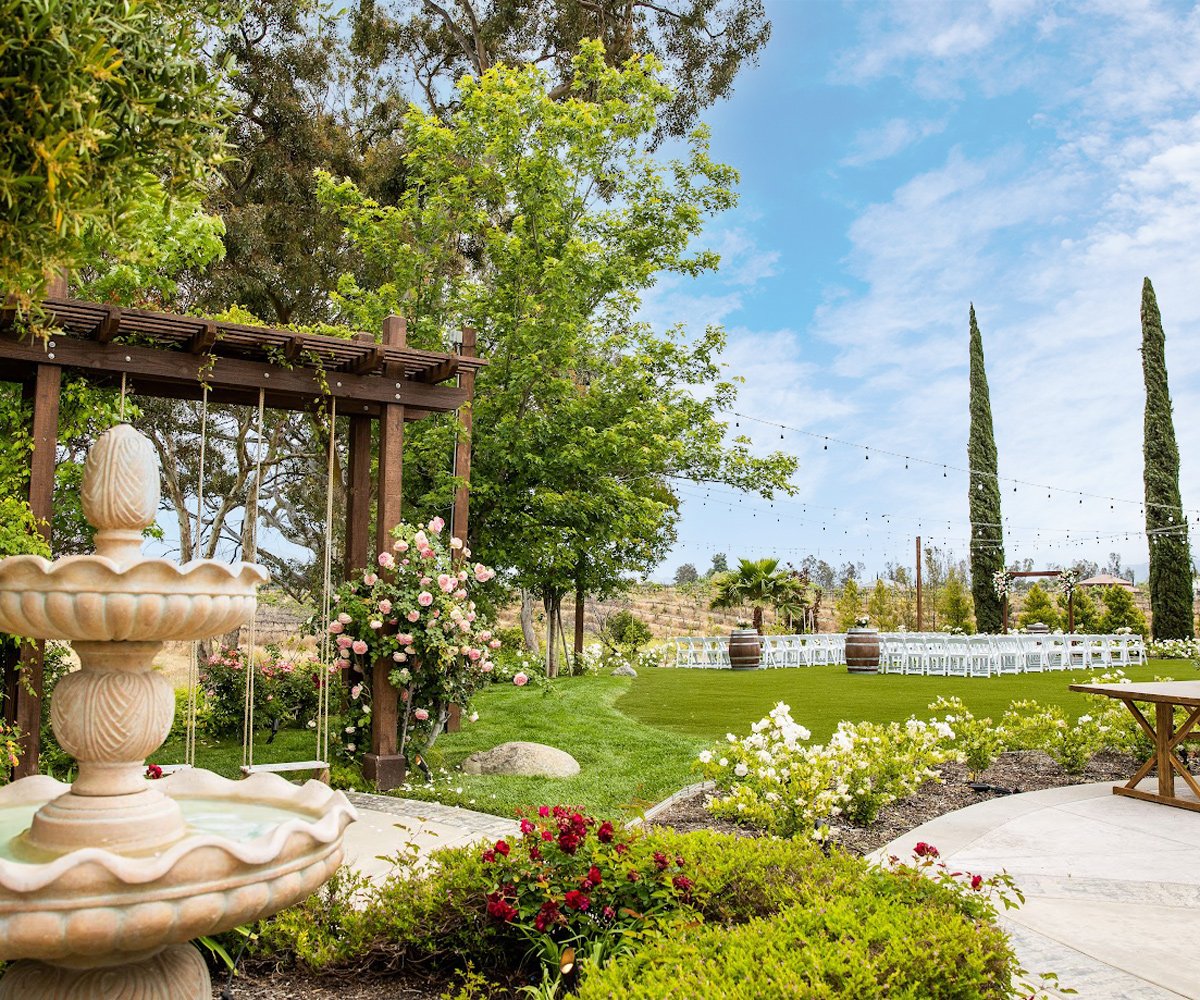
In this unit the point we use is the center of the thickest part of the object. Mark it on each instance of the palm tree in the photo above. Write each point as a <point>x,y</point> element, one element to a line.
<point>756,582</point>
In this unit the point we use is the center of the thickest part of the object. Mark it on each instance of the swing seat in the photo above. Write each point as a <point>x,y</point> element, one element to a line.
<point>319,768</point>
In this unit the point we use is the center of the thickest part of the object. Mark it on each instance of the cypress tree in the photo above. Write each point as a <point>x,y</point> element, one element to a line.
<point>1166,525</point>
<point>987,538</point>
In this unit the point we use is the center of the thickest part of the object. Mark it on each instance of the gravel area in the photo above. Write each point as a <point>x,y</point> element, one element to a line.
<point>1024,771</point>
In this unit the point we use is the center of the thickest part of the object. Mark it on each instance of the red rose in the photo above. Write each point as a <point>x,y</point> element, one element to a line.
<point>924,850</point>
<point>502,847</point>
<point>609,913</point>
<point>576,900</point>
<point>153,771</point>
<point>976,882</point>
<point>622,848</point>
<point>633,876</point>
<point>568,843</point>
<point>660,860</point>
<point>547,835</point>
<point>547,915</point>
<point>534,853</point>
<point>682,883</point>
<point>543,811</point>
<point>605,833</point>
<point>489,856</point>
<point>526,827</point>
<point>593,875</point>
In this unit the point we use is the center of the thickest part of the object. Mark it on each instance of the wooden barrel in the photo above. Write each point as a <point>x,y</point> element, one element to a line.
<point>862,651</point>
<point>745,649</point>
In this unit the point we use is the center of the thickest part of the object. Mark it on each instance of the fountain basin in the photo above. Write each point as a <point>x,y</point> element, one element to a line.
<point>252,847</point>
<point>95,598</point>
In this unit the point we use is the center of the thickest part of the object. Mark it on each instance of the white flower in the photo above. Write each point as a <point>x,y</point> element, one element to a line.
<point>705,756</point>
<point>741,770</point>
<point>723,762</point>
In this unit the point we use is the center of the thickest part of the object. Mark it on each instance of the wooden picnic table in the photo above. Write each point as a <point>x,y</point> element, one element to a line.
<point>1164,696</point>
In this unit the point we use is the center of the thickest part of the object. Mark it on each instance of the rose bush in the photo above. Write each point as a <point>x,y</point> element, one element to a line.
<point>415,610</point>
<point>285,688</point>
<point>775,780</point>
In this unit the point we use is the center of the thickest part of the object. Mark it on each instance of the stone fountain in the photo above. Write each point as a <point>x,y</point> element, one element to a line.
<point>103,882</point>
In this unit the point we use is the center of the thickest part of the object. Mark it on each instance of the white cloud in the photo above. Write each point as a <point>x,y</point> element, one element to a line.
<point>887,140</point>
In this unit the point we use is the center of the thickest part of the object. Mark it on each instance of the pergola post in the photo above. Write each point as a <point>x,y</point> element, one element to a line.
<point>459,522</point>
<point>384,766</point>
<point>24,685</point>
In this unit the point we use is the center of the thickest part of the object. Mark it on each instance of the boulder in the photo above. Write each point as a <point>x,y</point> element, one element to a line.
<point>519,757</point>
<point>624,670</point>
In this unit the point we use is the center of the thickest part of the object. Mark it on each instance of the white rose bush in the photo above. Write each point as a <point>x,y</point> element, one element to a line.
<point>776,780</point>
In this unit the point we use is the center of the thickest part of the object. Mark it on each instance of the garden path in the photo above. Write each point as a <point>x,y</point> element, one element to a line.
<point>1112,885</point>
<point>388,826</point>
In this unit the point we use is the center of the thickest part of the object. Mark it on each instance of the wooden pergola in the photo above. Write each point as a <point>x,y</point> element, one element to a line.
<point>174,356</point>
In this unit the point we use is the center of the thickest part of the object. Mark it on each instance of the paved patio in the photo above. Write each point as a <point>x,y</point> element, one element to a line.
<point>1112,885</point>
<point>387,826</point>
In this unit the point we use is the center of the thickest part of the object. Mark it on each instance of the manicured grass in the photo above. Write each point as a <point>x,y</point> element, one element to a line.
<point>625,765</point>
<point>711,703</point>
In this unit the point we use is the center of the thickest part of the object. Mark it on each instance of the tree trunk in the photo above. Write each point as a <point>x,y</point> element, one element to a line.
<point>758,619</point>
<point>552,602</point>
<point>527,629</point>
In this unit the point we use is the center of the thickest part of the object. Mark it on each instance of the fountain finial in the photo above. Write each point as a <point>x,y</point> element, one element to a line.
<point>121,491</point>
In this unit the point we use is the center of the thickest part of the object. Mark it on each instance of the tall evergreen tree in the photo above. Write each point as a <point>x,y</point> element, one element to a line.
<point>1166,525</point>
<point>987,537</point>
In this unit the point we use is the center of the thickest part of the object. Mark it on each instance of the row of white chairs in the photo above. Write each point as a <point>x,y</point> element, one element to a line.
<point>930,653</point>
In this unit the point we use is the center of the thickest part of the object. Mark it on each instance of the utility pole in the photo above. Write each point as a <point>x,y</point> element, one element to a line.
<point>918,583</point>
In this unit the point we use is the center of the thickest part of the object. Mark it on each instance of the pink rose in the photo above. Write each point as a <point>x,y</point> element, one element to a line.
<point>520,680</point>
<point>387,560</point>
<point>420,714</point>
<point>370,579</point>
<point>356,691</point>
<point>385,607</point>
<point>405,639</point>
<point>412,616</point>
<point>494,644</point>
<point>470,616</point>
<point>344,654</point>
<point>426,581</point>
<point>335,627</point>
<point>427,553</point>
<point>486,668</point>
<point>460,594</point>
<point>359,647</point>
<point>375,623</point>
<point>399,657</point>
<point>456,543</point>
<point>403,562</point>
<point>462,575</point>
<point>420,541</point>
<point>482,573</point>
<point>343,641</point>
<point>435,613</point>
<point>446,582</point>
<point>436,525</point>
<point>401,545</point>
<point>425,598</point>
<point>465,625</point>
<point>344,618</point>
<point>474,654</point>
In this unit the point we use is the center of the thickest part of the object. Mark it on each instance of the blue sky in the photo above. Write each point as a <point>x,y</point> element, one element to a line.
<point>899,161</point>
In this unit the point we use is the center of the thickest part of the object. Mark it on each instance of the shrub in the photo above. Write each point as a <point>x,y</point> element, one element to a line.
<point>1173,649</point>
<point>1121,612</point>
<point>285,689</point>
<point>624,632</point>
<point>772,780</point>
<point>886,934</point>
<point>976,742</point>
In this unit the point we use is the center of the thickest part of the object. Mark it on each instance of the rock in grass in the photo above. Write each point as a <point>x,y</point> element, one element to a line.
<point>519,757</point>
<point>624,670</point>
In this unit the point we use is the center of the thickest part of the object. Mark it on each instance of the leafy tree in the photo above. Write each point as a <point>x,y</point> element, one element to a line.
<point>565,219</point>
<point>757,582</point>
<point>1166,524</point>
<point>624,632</point>
<point>686,574</point>
<point>881,607</point>
<point>720,564</point>
<point>987,533</point>
<point>702,44</point>
<point>848,605</point>
<point>104,104</point>
<point>953,603</point>
<point>1121,612</point>
<point>1037,607</point>
<point>1087,615</point>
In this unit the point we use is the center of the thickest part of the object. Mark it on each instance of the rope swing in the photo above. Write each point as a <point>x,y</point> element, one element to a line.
<point>319,765</point>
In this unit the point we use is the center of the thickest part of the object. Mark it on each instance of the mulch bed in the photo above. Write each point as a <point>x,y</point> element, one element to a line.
<point>1024,771</point>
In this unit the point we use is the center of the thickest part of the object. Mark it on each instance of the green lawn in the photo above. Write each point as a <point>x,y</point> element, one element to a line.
<point>636,740</point>
<point>711,703</point>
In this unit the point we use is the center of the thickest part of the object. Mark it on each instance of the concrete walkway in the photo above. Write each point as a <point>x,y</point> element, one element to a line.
<point>389,826</point>
<point>1112,885</point>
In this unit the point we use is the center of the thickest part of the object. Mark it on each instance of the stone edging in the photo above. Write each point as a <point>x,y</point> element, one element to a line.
<point>658,809</point>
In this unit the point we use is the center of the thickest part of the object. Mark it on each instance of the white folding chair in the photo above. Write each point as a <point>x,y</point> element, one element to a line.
<point>1034,653</point>
<point>958,653</point>
<point>1137,649</point>
<point>820,650</point>
<point>914,655</point>
<point>1118,650</point>
<point>1008,655</point>
<point>981,658</point>
<point>935,655</point>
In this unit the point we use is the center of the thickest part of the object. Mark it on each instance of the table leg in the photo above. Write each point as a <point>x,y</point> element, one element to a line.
<point>1164,729</point>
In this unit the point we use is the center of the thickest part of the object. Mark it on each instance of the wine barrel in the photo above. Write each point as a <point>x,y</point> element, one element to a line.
<point>745,649</point>
<point>862,651</point>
